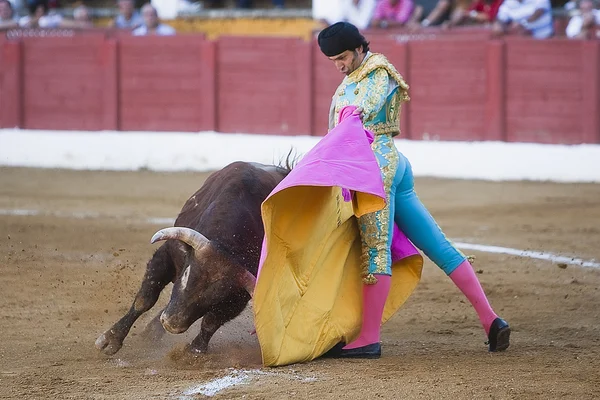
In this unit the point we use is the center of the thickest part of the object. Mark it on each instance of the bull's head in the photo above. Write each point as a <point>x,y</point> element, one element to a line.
<point>208,277</point>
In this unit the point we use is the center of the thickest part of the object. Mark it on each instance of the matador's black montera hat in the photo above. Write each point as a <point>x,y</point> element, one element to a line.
<point>339,37</point>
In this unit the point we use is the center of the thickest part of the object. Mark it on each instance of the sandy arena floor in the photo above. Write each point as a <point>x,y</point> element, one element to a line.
<point>71,270</point>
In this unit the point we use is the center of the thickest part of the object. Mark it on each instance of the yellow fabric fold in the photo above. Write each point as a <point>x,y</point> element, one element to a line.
<point>309,293</point>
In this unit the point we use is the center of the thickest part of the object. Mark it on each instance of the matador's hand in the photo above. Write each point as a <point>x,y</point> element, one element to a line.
<point>360,112</point>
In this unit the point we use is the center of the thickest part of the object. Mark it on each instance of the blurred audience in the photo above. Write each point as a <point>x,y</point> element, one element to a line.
<point>128,17</point>
<point>479,12</point>
<point>421,9</point>
<point>525,17</point>
<point>584,22</point>
<point>81,19</point>
<point>440,13</point>
<point>250,3</point>
<point>392,13</point>
<point>8,18</point>
<point>39,17</point>
<point>152,25</point>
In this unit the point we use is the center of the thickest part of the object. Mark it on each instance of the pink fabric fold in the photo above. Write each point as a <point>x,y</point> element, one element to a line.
<point>343,158</point>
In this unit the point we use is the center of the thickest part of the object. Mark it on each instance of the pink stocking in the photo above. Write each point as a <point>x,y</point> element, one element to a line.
<point>465,279</point>
<point>374,297</point>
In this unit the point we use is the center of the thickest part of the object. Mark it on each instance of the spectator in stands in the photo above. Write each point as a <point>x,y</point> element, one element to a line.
<point>17,5</point>
<point>81,19</point>
<point>128,17</point>
<point>422,8</point>
<point>8,18</point>
<point>439,14</point>
<point>38,16</point>
<point>582,25</point>
<point>478,12</point>
<point>152,25</point>
<point>358,12</point>
<point>249,3</point>
<point>392,13</point>
<point>526,17</point>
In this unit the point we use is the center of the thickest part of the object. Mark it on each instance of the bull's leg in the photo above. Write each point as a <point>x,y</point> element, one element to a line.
<point>215,318</point>
<point>159,272</point>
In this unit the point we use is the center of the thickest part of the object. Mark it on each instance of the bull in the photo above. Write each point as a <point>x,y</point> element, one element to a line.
<point>211,256</point>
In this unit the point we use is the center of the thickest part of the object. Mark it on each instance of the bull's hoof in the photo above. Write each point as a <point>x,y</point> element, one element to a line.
<point>196,350</point>
<point>108,343</point>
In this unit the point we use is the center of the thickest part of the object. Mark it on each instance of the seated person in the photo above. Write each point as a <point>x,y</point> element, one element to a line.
<point>392,13</point>
<point>356,12</point>
<point>439,14</point>
<point>582,25</point>
<point>422,9</point>
<point>8,19</point>
<point>128,17</point>
<point>527,17</point>
<point>151,25</point>
<point>479,12</point>
<point>81,19</point>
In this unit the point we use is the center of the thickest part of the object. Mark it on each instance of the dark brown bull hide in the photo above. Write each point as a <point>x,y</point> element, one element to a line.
<point>211,256</point>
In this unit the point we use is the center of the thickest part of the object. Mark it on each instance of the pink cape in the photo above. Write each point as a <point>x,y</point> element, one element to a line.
<point>344,158</point>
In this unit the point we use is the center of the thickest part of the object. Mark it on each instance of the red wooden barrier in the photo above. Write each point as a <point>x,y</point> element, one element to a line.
<point>544,91</point>
<point>161,85</point>
<point>264,85</point>
<point>60,85</point>
<point>462,87</point>
<point>448,80</point>
<point>11,93</point>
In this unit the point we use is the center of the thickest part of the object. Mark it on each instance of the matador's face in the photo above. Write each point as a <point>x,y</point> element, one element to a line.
<point>348,61</point>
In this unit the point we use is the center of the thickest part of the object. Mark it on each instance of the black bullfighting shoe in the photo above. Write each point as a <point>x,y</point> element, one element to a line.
<point>499,336</point>
<point>335,351</point>
<point>372,350</point>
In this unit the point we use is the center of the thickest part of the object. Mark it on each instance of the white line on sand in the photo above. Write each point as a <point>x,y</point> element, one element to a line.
<point>529,254</point>
<point>235,378</point>
<point>461,245</point>
<point>216,385</point>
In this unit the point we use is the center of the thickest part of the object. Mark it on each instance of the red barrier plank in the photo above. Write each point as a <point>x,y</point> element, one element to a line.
<point>495,111</point>
<point>448,89</point>
<point>61,84</point>
<point>590,110</point>
<point>544,91</point>
<point>110,82</point>
<point>160,77</point>
<point>11,92</point>
<point>258,86</point>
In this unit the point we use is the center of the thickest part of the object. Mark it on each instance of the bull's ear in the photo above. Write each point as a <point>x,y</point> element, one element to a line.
<point>247,281</point>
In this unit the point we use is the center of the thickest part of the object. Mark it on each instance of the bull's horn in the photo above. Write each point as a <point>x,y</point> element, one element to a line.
<point>248,281</point>
<point>186,235</point>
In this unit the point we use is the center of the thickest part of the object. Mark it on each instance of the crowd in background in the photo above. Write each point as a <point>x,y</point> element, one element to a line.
<point>46,14</point>
<point>525,17</point>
